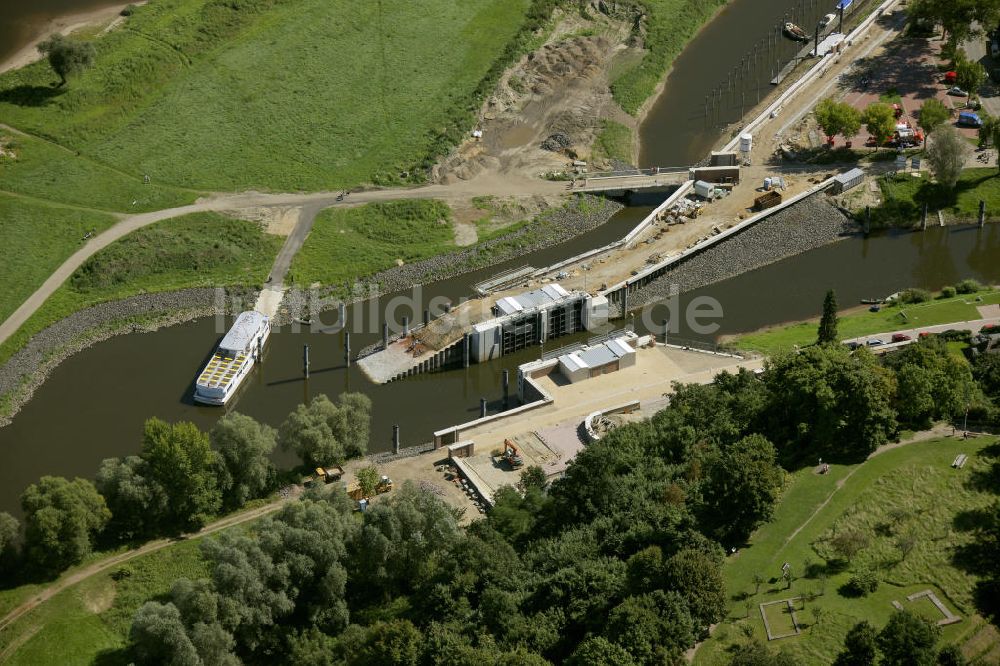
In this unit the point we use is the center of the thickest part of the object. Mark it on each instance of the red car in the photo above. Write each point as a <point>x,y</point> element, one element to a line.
<point>900,337</point>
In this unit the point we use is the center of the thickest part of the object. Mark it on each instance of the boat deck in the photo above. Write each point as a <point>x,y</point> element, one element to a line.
<point>221,369</point>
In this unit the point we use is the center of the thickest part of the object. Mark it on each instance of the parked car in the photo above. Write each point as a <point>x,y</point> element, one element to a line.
<point>957,91</point>
<point>852,345</point>
<point>924,334</point>
<point>875,342</point>
<point>970,119</point>
<point>901,337</point>
<point>875,308</point>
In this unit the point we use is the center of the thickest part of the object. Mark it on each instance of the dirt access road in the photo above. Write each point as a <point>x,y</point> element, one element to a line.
<point>462,190</point>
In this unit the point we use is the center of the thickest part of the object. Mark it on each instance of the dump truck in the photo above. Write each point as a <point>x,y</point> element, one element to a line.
<point>330,474</point>
<point>384,486</point>
<point>767,200</point>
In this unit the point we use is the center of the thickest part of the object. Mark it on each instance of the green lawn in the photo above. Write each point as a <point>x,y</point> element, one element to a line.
<point>197,250</point>
<point>904,197</point>
<point>859,323</point>
<point>267,94</point>
<point>36,238</point>
<point>614,142</point>
<point>910,488</point>
<point>47,171</point>
<point>350,243</point>
<point>92,619</point>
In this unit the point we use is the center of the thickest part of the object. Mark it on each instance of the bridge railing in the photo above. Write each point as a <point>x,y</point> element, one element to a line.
<point>635,173</point>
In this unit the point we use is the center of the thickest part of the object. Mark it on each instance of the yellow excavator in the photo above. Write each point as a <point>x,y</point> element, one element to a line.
<point>512,455</point>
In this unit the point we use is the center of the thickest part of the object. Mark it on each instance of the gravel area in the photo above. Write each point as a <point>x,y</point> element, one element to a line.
<point>28,368</point>
<point>804,226</point>
<point>561,224</point>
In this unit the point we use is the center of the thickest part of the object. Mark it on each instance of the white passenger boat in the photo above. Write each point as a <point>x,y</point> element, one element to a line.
<point>233,360</point>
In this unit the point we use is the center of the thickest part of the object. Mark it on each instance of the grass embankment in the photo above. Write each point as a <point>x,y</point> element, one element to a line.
<point>197,250</point>
<point>44,170</point>
<point>36,238</point>
<point>904,198</point>
<point>670,24</point>
<point>614,142</point>
<point>349,243</point>
<point>908,490</point>
<point>311,94</point>
<point>90,621</point>
<point>863,322</point>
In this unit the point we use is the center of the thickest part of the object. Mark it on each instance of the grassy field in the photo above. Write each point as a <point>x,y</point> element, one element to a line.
<point>904,198</point>
<point>910,489</point>
<point>268,94</point>
<point>90,622</point>
<point>862,322</point>
<point>198,250</point>
<point>36,237</point>
<point>614,142</point>
<point>349,243</point>
<point>45,170</point>
<point>670,24</point>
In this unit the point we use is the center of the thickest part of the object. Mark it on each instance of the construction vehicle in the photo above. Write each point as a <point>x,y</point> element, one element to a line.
<point>330,474</point>
<point>512,455</point>
<point>384,486</point>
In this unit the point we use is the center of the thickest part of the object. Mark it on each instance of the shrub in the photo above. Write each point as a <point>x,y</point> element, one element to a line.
<point>969,286</point>
<point>948,292</point>
<point>863,582</point>
<point>914,295</point>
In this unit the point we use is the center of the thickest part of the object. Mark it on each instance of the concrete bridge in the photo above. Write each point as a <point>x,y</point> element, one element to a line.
<point>640,180</point>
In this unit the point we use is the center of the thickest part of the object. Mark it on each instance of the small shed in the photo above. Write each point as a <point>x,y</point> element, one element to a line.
<point>845,181</point>
<point>704,190</point>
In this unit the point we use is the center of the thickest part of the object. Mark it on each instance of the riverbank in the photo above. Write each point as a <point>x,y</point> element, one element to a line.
<point>859,321</point>
<point>29,367</point>
<point>807,225</point>
<point>103,17</point>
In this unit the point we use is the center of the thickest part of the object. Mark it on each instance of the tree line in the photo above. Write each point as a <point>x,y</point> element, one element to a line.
<point>182,478</point>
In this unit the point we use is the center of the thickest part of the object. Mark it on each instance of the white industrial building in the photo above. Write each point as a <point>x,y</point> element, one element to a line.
<point>593,361</point>
<point>532,318</point>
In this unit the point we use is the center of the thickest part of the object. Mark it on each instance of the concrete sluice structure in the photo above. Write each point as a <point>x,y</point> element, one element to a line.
<point>481,330</point>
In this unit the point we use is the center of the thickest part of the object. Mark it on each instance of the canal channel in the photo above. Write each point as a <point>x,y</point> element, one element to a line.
<point>93,405</point>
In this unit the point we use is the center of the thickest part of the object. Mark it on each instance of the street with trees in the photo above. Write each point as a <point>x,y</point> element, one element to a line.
<point>838,118</point>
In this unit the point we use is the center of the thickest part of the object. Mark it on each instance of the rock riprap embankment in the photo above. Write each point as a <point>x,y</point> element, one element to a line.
<point>806,225</point>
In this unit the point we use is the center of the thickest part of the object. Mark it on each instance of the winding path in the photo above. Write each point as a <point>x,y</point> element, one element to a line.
<point>503,185</point>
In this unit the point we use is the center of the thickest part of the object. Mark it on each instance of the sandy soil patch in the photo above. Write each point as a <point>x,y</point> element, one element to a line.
<point>277,220</point>
<point>100,599</point>
<point>988,311</point>
<point>561,88</point>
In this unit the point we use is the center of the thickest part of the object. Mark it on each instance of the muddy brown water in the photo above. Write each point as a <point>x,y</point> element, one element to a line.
<point>94,404</point>
<point>22,21</point>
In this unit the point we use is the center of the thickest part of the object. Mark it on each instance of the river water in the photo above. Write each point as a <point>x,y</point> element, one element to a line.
<point>93,405</point>
<point>22,21</point>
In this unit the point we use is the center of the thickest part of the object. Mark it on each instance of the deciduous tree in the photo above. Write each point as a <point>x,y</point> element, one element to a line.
<point>880,121</point>
<point>61,518</point>
<point>67,56</point>
<point>137,502</point>
<point>933,112</point>
<point>324,433</point>
<point>908,640</point>
<point>179,458</point>
<point>947,155</point>
<point>243,447</point>
<point>741,488</point>
<point>860,646</point>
